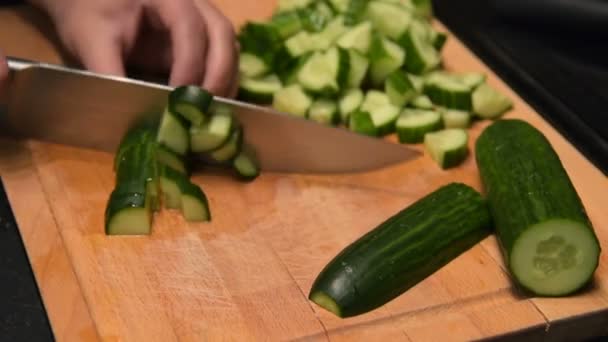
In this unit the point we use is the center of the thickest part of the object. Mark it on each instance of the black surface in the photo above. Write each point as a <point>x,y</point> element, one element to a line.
<point>561,72</point>
<point>558,70</point>
<point>22,315</point>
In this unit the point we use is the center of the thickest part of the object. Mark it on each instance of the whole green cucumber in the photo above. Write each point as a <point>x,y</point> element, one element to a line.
<point>546,238</point>
<point>402,251</point>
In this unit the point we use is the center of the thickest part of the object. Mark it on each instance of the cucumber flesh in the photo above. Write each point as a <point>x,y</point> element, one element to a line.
<point>382,112</point>
<point>287,23</point>
<point>448,148</point>
<point>358,68</point>
<point>191,102</point>
<point>361,122</point>
<point>128,214</point>
<point>422,102</point>
<point>251,65</point>
<point>546,237</point>
<point>213,134</point>
<point>259,90</point>
<point>456,118</point>
<point>399,88</point>
<point>358,38</point>
<point>414,124</point>
<point>173,133</point>
<point>389,19</point>
<point>324,111</point>
<point>325,73</point>
<point>489,103</point>
<point>169,184</point>
<point>164,156</point>
<point>422,56</point>
<point>246,165</point>
<point>195,206</point>
<point>386,57</point>
<point>292,100</point>
<point>230,149</point>
<point>350,102</point>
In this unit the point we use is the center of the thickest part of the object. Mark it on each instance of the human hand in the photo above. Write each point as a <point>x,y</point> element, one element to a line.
<point>188,39</point>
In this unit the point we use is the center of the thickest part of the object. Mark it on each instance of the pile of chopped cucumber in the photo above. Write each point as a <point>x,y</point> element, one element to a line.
<point>152,161</point>
<point>372,66</point>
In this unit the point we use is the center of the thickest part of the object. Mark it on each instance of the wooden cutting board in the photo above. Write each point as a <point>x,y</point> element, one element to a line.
<point>246,275</point>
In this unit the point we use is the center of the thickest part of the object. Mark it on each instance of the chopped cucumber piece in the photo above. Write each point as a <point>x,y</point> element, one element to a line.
<point>287,23</point>
<point>489,103</point>
<point>389,19</point>
<point>292,100</point>
<point>315,17</point>
<point>422,102</point>
<point>361,122</point>
<point>422,56</point>
<point>212,134</point>
<point>324,111</point>
<point>325,73</point>
<point>191,102</point>
<point>251,65</point>
<point>439,40</point>
<point>358,38</point>
<point>173,132</point>
<point>448,90</point>
<point>260,39</point>
<point>456,118</point>
<point>288,68</point>
<point>414,124</point>
<point>355,12</point>
<point>339,6</point>
<point>301,43</point>
<point>246,164</point>
<point>169,158</point>
<point>169,184</point>
<point>350,102</point>
<point>259,90</point>
<point>382,112</point>
<point>195,206</point>
<point>328,37</point>
<point>358,67</point>
<point>128,214</point>
<point>399,88</point>
<point>471,79</point>
<point>230,149</point>
<point>386,57</point>
<point>448,147</point>
<point>424,8</point>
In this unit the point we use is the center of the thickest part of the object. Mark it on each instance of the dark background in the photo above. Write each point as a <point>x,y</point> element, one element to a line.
<point>552,52</point>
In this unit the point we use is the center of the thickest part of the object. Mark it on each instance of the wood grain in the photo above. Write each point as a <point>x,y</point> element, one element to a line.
<point>246,275</point>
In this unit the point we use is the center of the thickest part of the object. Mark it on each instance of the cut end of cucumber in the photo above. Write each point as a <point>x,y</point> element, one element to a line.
<point>131,221</point>
<point>555,258</point>
<point>326,302</point>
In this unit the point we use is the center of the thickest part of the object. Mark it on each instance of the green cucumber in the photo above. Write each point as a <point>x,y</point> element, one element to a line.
<point>258,90</point>
<point>230,149</point>
<point>290,5</point>
<point>194,203</point>
<point>251,65</point>
<point>422,102</point>
<point>488,103</point>
<point>324,111</point>
<point>382,112</point>
<point>169,185</point>
<point>358,38</point>
<point>391,20</point>
<point>448,147</point>
<point>400,88</point>
<point>385,56</point>
<point>171,159</point>
<point>449,90</point>
<point>361,122</point>
<point>422,56</point>
<point>456,118</point>
<point>358,67</point>
<point>414,124</point>
<point>128,213</point>
<point>402,251</point>
<point>292,100</point>
<point>350,101</point>
<point>355,12</point>
<point>212,134</point>
<point>316,16</point>
<point>173,132</point>
<point>339,6</point>
<point>546,237</point>
<point>246,164</point>
<point>325,73</point>
<point>287,23</point>
<point>260,39</point>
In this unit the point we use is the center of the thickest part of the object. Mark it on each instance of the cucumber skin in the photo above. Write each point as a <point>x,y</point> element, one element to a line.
<point>405,249</point>
<point>525,182</point>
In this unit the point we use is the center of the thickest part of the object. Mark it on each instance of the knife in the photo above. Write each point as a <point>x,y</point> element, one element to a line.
<point>80,108</point>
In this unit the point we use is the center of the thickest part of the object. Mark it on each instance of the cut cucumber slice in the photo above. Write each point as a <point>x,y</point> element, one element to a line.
<point>358,38</point>
<point>389,19</point>
<point>382,112</point>
<point>386,57</point>
<point>325,73</point>
<point>448,147</point>
<point>324,111</point>
<point>287,23</point>
<point>169,185</point>
<point>414,124</point>
<point>399,88</point>
<point>292,100</point>
<point>195,206</point>
<point>128,214</point>
<point>358,67</point>
<point>246,165</point>
<point>173,133</point>
<point>355,12</point>
<point>489,103</point>
<point>315,17</point>
<point>350,102</point>
<point>191,102</point>
<point>259,90</point>
<point>456,118</point>
<point>251,65</point>
<point>422,56</point>
<point>448,90</point>
<point>361,122</point>
<point>230,149</point>
<point>170,159</point>
<point>213,134</point>
<point>422,102</point>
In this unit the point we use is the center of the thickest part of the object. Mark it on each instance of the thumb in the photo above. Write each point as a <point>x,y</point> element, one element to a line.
<point>103,56</point>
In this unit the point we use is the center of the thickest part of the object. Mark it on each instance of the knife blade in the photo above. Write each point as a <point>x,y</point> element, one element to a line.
<point>80,108</point>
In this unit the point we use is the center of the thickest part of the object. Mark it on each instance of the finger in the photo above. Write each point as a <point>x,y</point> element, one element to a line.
<point>222,57</point>
<point>234,87</point>
<point>188,38</point>
<point>3,74</point>
<point>103,56</point>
